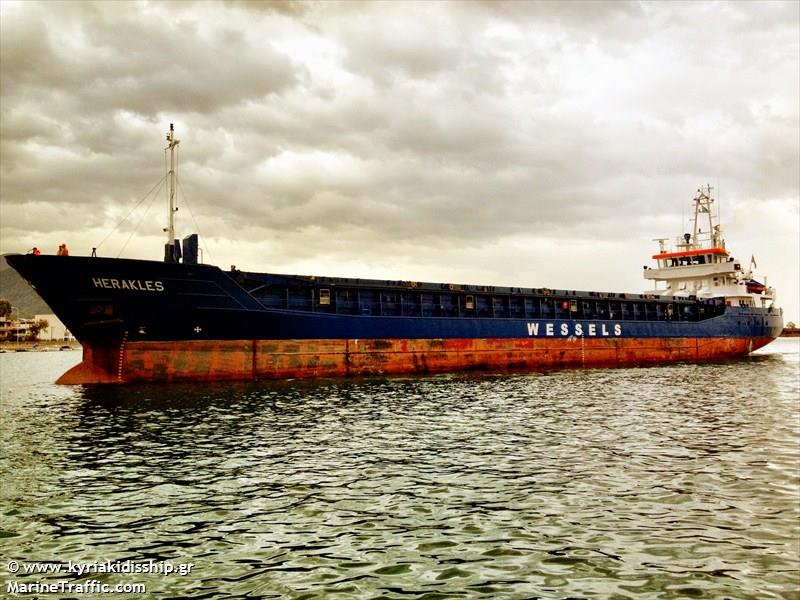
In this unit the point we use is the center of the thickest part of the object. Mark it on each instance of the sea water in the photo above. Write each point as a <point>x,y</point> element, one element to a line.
<point>656,482</point>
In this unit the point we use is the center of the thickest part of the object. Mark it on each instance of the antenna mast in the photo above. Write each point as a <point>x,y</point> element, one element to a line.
<point>171,176</point>
<point>702,204</point>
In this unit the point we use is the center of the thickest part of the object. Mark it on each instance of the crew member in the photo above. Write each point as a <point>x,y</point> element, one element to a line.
<point>35,251</point>
<point>62,250</point>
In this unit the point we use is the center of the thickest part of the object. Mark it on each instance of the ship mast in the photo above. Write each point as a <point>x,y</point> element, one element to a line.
<point>702,204</point>
<point>171,176</point>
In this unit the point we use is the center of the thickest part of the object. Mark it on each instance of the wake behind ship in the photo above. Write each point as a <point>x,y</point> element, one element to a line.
<point>182,320</point>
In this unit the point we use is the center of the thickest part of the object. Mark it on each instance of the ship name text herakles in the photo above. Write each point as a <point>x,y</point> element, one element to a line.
<point>128,284</point>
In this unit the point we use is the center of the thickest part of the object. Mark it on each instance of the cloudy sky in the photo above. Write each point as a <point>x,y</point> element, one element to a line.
<point>531,144</point>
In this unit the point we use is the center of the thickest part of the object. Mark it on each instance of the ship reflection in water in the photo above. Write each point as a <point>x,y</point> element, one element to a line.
<point>660,482</point>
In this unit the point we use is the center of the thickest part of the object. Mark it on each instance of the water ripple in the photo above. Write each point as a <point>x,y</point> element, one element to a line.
<point>663,482</point>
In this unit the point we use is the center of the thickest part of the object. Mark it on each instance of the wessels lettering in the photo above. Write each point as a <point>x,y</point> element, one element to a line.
<point>577,329</point>
<point>138,285</point>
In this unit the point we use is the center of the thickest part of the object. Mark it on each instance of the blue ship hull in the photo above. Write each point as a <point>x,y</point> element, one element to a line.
<point>128,313</point>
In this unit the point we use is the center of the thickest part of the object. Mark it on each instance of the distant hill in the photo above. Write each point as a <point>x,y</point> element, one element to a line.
<point>17,291</point>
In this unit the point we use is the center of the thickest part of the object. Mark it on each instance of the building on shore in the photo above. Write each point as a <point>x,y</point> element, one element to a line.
<point>14,329</point>
<point>55,330</point>
<point>791,330</point>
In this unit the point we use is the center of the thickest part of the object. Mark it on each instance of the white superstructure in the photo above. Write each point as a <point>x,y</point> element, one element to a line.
<point>700,265</point>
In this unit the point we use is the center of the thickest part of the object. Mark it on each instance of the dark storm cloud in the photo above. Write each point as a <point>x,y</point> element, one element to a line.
<point>79,81</point>
<point>116,56</point>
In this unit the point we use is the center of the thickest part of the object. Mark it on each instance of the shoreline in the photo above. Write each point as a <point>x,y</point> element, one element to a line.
<point>39,346</point>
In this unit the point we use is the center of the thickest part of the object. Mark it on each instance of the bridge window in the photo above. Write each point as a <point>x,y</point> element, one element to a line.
<point>469,304</point>
<point>324,296</point>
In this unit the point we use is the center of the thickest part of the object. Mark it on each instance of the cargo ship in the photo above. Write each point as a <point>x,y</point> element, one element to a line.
<point>182,320</point>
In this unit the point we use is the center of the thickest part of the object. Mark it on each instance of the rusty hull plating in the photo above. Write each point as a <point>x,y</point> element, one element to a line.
<point>282,359</point>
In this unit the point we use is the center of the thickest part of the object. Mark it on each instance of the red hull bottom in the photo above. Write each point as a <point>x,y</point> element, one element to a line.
<point>283,359</point>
